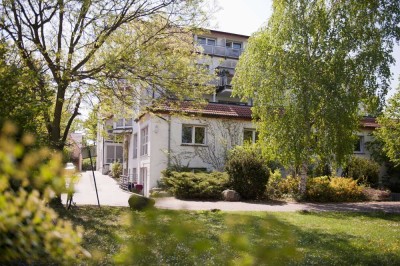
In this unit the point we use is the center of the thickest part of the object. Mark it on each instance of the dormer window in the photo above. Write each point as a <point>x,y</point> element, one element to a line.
<point>233,45</point>
<point>206,41</point>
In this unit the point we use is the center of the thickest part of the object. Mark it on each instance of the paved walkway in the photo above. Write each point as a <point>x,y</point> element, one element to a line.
<point>175,204</point>
<point>108,189</point>
<point>111,195</point>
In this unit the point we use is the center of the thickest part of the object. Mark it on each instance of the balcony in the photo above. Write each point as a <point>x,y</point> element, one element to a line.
<point>221,51</point>
<point>224,87</point>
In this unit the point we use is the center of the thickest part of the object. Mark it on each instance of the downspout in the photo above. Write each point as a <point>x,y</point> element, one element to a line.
<point>169,142</point>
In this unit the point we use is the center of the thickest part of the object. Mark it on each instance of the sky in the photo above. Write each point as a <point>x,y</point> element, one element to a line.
<point>247,16</point>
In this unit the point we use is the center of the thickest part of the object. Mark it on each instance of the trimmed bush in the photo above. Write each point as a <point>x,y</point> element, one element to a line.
<point>140,203</point>
<point>188,185</point>
<point>248,171</point>
<point>362,170</point>
<point>333,189</point>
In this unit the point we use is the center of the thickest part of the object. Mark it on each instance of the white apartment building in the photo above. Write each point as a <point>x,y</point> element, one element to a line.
<point>148,144</point>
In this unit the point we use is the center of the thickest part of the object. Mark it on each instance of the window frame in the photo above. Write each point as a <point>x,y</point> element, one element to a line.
<point>193,135</point>
<point>232,43</point>
<point>361,142</point>
<point>207,39</point>
<point>254,135</point>
<point>135,146</point>
<point>144,141</point>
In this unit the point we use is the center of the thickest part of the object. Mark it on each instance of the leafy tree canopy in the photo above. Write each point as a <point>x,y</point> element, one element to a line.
<point>311,69</point>
<point>389,132</point>
<point>18,102</point>
<point>81,48</point>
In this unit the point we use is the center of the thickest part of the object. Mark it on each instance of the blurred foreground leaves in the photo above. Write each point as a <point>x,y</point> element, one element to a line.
<point>160,237</point>
<point>29,230</point>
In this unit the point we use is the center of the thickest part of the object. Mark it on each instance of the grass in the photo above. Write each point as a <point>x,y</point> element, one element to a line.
<point>253,238</point>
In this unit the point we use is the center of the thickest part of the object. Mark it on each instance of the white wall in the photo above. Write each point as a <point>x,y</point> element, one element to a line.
<point>186,155</point>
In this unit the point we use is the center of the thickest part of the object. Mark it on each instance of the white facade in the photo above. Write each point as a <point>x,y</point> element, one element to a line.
<point>165,145</point>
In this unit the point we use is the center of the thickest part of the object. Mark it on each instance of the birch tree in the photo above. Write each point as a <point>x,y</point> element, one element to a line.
<point>389,132</point>
<point>311,69</point>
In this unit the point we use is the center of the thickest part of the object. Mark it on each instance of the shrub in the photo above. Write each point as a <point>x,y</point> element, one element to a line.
<point>140,203</point>
<point>248,171</point>
<point>289,187</point>
<point>188,185</point>
<point>86,166</point>
<point>362,170</point>
<point>334,189</point>
<point>30,230</point>
<point>116,170</point>
<point>319,189</point>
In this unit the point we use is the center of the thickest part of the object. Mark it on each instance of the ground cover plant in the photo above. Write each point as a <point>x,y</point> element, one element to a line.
<point>245,238</point>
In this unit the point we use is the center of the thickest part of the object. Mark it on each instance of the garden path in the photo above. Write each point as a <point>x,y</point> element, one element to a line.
<point>111,195</point>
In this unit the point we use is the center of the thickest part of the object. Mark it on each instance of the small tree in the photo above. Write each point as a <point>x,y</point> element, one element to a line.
<point>248,171</point>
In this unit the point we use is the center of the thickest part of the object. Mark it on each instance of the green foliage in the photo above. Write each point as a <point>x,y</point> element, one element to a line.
<point>311,68</point>
<point>137,41</point>
<point>333,189</point>
<point>30,231</point>
<point>248,171</point>
<point>140,203</point>
<point>188,185</point>
<point>19,102</point>
<point>289,187</point>
<point>116,170</point>
<point>86,165</point>
<point>363,170</point>
<point>90,125</point>
<point>389,132</point>
<point>318,189</point>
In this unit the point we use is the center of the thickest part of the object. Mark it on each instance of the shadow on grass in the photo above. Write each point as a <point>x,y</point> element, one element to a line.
<point>104,230</point>
<point>217,238</point>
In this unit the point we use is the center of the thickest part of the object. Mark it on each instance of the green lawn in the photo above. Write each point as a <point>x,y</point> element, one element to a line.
<point>219,238</point>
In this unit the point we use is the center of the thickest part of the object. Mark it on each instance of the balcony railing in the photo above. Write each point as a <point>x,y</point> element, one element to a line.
<point>221,51</point>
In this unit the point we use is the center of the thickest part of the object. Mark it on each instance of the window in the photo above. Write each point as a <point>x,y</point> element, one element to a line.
<point>233,45</point>
<point>114,153</point>
<point>250,135</point>
<point>144,141</point>
<point>193,134</point>
<point>135,145</point>
<point>359,145</point>
<point>206,41</point>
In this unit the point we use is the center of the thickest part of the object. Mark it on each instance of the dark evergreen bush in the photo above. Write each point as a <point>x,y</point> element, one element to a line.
<point>362,170</point>
<point>248,171</point>
<point>188,185</point>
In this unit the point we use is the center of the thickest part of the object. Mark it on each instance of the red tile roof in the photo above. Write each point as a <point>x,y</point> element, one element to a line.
<point>231,111</point>
<point>369,122</point>
<point>210,109</point>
